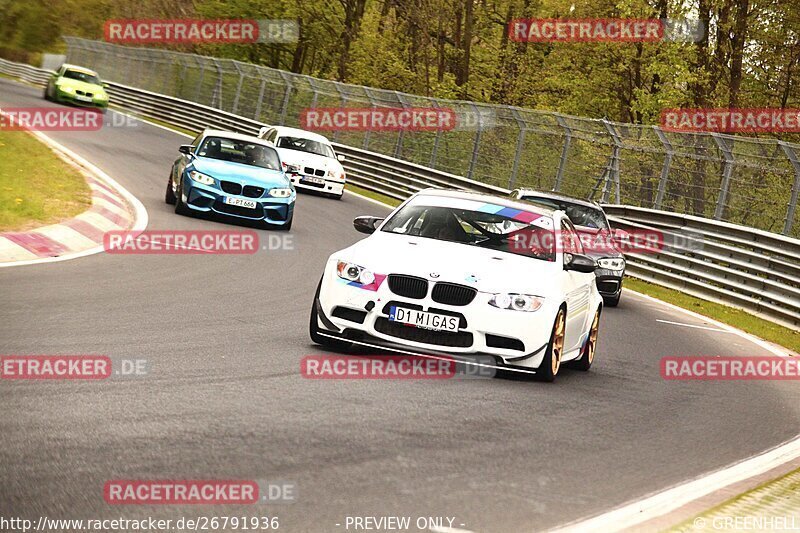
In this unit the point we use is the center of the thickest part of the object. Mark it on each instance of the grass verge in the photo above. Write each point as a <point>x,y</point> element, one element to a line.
<point>36,187</point>
<point>737,318</point>
<point>374,195</point>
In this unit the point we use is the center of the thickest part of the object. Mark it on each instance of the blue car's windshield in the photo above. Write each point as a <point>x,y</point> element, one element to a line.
<point>237,151</point>
<point>82,76</point>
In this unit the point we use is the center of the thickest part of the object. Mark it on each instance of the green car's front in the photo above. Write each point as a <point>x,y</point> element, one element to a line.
<point>79,86</point>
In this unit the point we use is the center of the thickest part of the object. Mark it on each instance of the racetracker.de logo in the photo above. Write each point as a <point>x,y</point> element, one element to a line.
<point>181,242</point>
<point>604,30</point>
<point>168,492</point>
<point>402,367</point>
<point>49,119</point>
<point>378,119</point>
<point>732,120</point>
<point>69,367</point>
<point>728,368</point>
<point>236,31</point>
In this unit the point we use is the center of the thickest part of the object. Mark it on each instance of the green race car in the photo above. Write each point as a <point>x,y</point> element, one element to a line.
<point>77,85</point>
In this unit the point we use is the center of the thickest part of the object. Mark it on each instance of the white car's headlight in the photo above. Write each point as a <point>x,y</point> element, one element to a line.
<point>352,272</point>
<point>611,263</point>
<point>201,178</point>
<point>516,302</point>
<point>280,193</point>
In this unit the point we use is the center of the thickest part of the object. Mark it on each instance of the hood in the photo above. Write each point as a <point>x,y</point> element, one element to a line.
<point>304,159</point>
<point>226,170</point>
<point>486,270</point>
<point>81,86</point>
<point>598,243</point>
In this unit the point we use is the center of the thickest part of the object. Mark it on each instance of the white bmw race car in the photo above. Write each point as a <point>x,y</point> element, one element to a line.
<point>308,159</point>
<point>452,272</point>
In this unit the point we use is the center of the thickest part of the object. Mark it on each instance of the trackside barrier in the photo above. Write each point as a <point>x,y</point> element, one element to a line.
<point>736,265</point>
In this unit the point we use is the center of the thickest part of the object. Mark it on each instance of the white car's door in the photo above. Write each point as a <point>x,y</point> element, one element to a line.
<point>578,290</point>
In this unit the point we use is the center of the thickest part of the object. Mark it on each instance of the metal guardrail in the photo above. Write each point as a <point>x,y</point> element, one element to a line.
<point>744,267</point>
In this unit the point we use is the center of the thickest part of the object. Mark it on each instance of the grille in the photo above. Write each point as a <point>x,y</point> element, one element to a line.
<point>252,191</point>
<point>508,343</point>
<point>83,93</point>
<point>455,339</point>
<point>314,171</point>
<point>408,286</point>
<point>231,187</point>
<point>452,294</point>
<point>353,315</point>
<point>607,286</point>
<point>238,210</point>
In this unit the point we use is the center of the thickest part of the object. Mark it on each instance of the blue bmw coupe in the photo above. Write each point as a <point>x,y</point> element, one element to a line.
<point>233,175</point>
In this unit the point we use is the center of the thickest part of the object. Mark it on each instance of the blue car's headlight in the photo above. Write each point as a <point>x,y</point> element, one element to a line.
<point>353,272</point>
<point>201,178</point>
<point>516,302</point>
<point>280,193</point>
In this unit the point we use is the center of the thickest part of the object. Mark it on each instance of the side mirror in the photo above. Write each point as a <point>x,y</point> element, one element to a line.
<point>579,263</point>
<point>340,157</point>
<point>262,132</point>
<point>105,85</point>
<point>366,225</point>
<point>186,149</point>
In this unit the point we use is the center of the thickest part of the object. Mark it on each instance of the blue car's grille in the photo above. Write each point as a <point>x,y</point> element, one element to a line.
<point>231,187</point>
<point>251,191</point>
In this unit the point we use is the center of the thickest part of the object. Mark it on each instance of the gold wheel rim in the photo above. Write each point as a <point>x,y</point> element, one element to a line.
<point>558,343</point>
<point>592,342</point>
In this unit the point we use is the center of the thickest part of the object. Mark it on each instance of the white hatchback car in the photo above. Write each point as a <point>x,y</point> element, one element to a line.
<point>453,272</point>
<point>308,159</point>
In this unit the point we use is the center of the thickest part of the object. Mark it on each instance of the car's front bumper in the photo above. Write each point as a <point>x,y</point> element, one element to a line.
<point>72,98</point>
<point>513,337</point>
<point>209,199</point>
<point>609,282</point>
<point>328,186</point>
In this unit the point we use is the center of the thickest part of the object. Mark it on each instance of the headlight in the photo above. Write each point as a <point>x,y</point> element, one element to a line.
<point>516,302</point>
<point>611,263</point>
<point>67,89</point>
<point>102,96</point>
<point>280,193</point>
<point>356,273</point>
<point>201,178</point>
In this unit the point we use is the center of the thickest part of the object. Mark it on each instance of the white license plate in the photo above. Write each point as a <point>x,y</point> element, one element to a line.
<point>241,203</point>
<point>83,98</point>
<point>318,181</point>
<point>423,319</point>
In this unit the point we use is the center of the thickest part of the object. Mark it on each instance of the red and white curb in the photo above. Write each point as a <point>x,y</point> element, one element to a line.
<point>113,208</point>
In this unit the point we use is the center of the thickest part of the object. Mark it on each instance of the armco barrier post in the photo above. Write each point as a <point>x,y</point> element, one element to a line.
<point>475,146</point>
<point>562,162</point>
<point>614,166</point>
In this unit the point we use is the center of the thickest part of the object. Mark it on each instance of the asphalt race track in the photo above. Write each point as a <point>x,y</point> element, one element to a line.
<point>225,398</point>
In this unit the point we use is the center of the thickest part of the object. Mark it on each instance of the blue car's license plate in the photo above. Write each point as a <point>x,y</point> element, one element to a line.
<point>240,202</point>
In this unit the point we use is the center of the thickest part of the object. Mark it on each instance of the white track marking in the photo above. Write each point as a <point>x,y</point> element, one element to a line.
<point>692,326</point>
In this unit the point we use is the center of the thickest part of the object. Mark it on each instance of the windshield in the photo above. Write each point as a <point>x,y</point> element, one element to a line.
<point>524,233</point>
<point>306,145</point>
<point>580,215</point>
<point>253,154</point>
<point>82,76</point>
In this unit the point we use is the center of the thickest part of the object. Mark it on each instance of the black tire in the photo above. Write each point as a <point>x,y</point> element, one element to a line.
<point>180,207</point>
<point>612,301</point>
<point>47,92</point>
<point>589,349</point>
<point>288,225</point>
<point>313,328</point>
<point>337,196</point>
<point>169,196</point>
<point>551,363</point>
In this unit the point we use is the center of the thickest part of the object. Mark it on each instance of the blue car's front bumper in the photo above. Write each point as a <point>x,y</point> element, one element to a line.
<point>206,198</point>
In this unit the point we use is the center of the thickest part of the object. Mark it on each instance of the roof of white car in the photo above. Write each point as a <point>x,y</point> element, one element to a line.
<point>80,69</point>
<point>303,134</point>
<point>488,198</point>
<point>235,136</point>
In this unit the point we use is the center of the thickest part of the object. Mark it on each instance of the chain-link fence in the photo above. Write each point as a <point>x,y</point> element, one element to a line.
<point>754,182</point>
